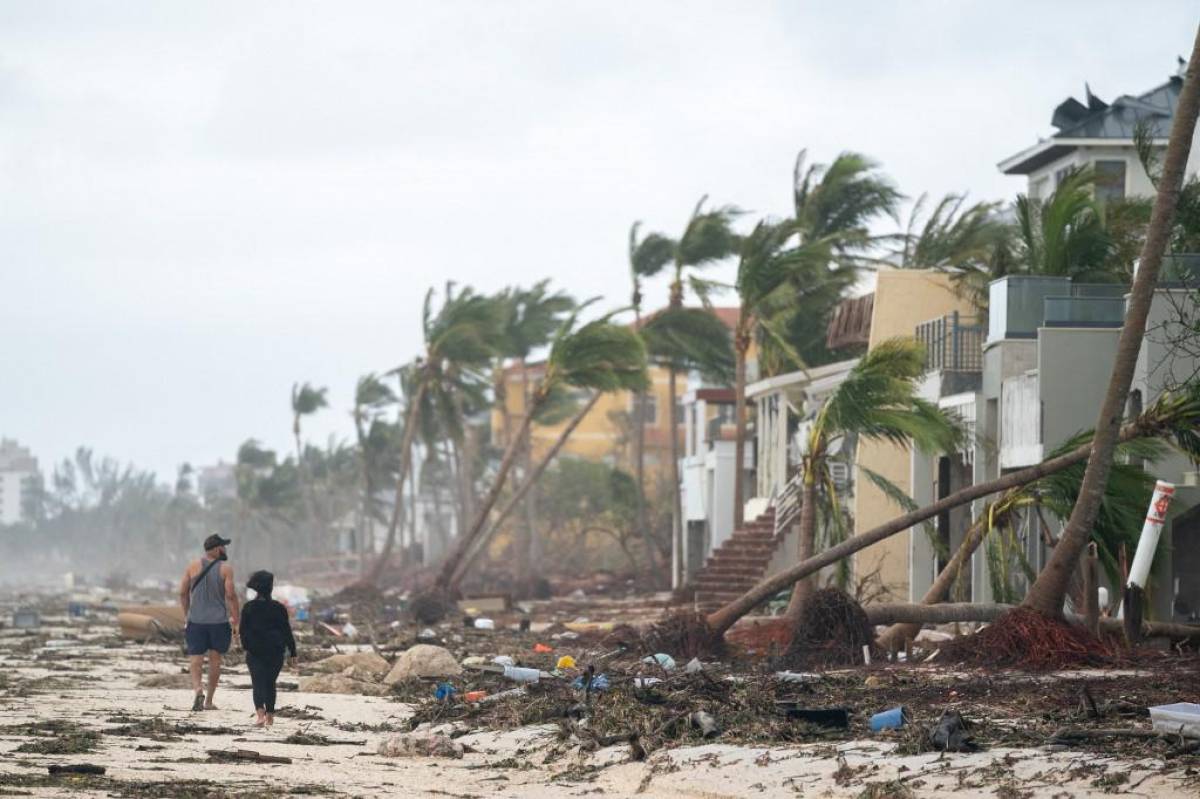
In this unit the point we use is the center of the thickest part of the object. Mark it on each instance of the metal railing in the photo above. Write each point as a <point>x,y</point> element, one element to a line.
<point>953,343</point>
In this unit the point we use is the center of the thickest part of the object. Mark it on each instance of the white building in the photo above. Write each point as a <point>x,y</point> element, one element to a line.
<point>219,481</point>
<point>1100,135</point>
<point>19,477</point>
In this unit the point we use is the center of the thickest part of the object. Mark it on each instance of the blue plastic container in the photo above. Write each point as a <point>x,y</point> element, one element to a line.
<point>892,719</point>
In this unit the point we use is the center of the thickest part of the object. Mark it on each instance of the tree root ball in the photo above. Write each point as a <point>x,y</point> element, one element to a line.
<point>1025,639</point>
<point>682,635</point>
<point>832,631</point>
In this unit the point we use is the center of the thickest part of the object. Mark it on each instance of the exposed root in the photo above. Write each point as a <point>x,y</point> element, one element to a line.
<point>1025,639</point>
<point>832,631</point>
<point>681,635</point>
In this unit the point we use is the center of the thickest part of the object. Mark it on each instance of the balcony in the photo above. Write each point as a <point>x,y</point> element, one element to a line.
<point>1181,270</point>
<point>1020,304</point>
<point>953,343</point>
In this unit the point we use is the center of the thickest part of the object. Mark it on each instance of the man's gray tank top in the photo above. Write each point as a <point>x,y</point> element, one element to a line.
<point>208,597</point>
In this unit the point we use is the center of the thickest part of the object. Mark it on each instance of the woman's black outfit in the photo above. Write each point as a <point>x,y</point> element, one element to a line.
<point>266,633</point>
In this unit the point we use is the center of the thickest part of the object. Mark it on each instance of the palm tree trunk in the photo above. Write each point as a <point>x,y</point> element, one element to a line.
<point>368,493</point>
<point>524,487</point>
<point>676,490</point>
<point>742,344</point>
<point>900,631</point>
<point>723,618</point>
<point>467,538</point>
<point>406,445</point>
<point>639,460</point>
<point>808,537</point>
<point>1050,589</point>
<point>526,540</point>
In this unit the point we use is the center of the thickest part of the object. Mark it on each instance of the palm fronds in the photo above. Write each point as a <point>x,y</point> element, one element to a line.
<point>690,338</point>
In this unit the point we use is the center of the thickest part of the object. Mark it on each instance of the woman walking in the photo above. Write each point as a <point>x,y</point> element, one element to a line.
<point>266,633</point>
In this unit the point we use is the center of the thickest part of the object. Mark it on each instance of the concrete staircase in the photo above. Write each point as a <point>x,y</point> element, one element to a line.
<point>736,565</point>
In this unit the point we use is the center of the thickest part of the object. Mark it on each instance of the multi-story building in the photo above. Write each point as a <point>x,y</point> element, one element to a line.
<point>1100,135</point>
<point>19,479</point>
<point>216,482</point>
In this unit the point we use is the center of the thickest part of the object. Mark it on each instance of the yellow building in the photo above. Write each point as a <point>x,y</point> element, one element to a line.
<point>606,432</point>
<point>903,300</point>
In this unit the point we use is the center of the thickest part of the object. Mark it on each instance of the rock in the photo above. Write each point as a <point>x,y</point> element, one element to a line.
<point>367,662</point>
<point>423,660</point>
<point>420,745</point>
<point>362,673</point>
<point>338,684</point>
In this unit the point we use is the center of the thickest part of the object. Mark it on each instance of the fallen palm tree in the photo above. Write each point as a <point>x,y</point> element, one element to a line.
<point>1174,416</point>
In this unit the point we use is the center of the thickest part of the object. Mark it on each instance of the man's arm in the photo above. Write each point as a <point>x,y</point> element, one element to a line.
<point>231,597</point>
<point>185,590</point>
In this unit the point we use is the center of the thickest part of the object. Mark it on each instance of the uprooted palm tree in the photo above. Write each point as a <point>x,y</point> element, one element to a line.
<point>598,355</point>
<point>1050,589</point>
<point>1174,416</point>
<point>1125,499</point>
<point>877,401</point>
<point>459,343</point>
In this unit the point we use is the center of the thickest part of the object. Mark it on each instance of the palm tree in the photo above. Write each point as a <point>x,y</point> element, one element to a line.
<point>306,400</point>
<point>533,316</point>
<point>599,355</point>
<point>877,401</point>
<point>648,256</point>
<point>371,397</point>
<point>1174,416</point>
<point>707,238</point>
<point>460,341</point>
<point>1050,589</point>
<point>1064,234</point>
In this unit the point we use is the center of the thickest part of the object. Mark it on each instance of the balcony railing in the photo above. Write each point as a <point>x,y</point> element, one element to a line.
<point>1083,311</point>
<point>953,343</point>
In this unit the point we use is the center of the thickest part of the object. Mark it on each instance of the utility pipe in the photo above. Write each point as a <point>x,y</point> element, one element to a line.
<point>1139,572</point>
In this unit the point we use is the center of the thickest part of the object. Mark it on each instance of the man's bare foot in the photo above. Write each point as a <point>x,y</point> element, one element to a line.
<point>210,706</point>
<point>198,702</point>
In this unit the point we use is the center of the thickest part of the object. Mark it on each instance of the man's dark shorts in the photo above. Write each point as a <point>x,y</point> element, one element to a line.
<point>201,638</point>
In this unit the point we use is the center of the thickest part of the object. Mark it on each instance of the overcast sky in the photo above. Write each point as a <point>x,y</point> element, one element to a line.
<point>205,202</point>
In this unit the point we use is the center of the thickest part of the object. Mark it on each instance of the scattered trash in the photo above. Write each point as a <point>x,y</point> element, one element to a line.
<point>565,662</point>
<point>474,696</point>
<point>892,719</point>
<point>417,745</point>
<point>485,624</point>
<point>443,691</point>
<point>706,724</point>
<point>26,619</point>
<point>569,635</point>
<point>520,674</point>
<point>950,733</point>
<point>542,649</point>
<point>694,666</point>
<point>797,677</point>
<point>503,660</point>
<point>599,682</point>
<point>666,661</point>
<point>349,630</point>
<point>427,635</point>
<point>509,694</point>
<point>423,660</point>
<point>1180,718</point>
<point>645,682</point>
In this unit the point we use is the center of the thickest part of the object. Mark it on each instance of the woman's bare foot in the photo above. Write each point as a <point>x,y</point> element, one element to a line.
<point>270,719</point>
<point>260,718</point>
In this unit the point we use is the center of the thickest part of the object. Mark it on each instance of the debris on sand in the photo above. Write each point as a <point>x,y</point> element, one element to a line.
<point>832,631</point>
<point>420,745</point>
<point>1025,639</point>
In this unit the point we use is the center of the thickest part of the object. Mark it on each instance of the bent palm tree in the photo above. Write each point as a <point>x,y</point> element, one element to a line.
<point>877,401</point>
<point>459,339</point>
<point>598,355</point>
<point>371,397</point>
<point>306,400</point>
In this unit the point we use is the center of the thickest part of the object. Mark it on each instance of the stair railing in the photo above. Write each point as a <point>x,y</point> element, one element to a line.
<point>787,503</point>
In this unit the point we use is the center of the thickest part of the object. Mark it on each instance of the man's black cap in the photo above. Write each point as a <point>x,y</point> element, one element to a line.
<point>214,541</point>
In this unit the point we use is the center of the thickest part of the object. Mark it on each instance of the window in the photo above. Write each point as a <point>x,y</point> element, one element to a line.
<point>1061,174</point>
<point>649,408</point>
<point>1110,180</point>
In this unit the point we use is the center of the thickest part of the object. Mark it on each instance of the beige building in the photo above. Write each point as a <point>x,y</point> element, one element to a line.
<point>904,299</point>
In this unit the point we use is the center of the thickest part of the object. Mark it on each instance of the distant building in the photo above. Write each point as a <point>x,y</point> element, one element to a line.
<point>216,482</point>
<point>19,478</point>
<point>1100,135</point>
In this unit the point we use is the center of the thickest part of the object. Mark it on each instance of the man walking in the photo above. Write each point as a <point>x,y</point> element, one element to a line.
<point>210,605</point>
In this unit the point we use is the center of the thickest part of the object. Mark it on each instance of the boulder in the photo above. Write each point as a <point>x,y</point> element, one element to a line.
<point>423,660</point>
<point>367,662</point>
<point>337,684</point>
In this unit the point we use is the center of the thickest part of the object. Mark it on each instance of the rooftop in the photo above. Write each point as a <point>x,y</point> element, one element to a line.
<point>1095,121</point>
